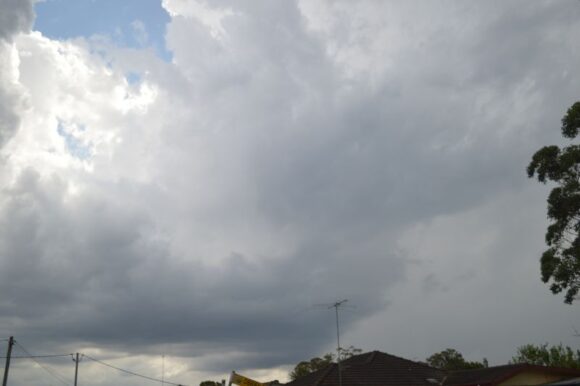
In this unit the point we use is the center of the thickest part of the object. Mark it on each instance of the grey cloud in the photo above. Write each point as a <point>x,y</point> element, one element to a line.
<point>371,141</point>
<point>437,137</point>
<point>432,284</point>
<point>8,118</point>
<point>11,99</point>
<point>16,16</point>
<point>94,277</point>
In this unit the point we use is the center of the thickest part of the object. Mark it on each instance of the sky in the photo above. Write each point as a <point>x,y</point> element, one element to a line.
<point>184,183</point>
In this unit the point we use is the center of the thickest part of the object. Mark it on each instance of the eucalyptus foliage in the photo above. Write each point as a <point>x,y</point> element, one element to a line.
<point>451,359</point>
<point>560,263</point>
<point>544,355</point>
<point>306,367</point>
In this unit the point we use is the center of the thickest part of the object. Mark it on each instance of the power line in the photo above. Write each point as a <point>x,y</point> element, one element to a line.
<point>132,373</point>
<point>55,374</point>
<point>46,368</point>
<point>39,356</point>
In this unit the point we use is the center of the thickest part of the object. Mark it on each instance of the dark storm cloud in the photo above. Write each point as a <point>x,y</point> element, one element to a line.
<point>86,270</point>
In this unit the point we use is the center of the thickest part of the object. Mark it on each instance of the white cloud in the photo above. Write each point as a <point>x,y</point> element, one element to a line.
<point>201,11</point>
<point>140,32</point>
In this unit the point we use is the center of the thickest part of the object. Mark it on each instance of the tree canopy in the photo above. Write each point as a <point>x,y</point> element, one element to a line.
<point>451,359</point>
<point>544,355</point>
<point>560,263</point>
<point>306,367</point>
<point>210,383</point>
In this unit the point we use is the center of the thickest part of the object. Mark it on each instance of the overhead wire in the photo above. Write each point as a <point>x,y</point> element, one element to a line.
<point>62,379</point>
<point>55,374</point>
<point>37,356</point>
<point>132,373</point>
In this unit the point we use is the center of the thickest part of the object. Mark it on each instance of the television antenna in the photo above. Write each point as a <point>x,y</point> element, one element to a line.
<point>336,306</point>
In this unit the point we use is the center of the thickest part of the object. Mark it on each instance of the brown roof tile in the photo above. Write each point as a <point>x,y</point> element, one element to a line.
<point>496,374</point>
<point>374,369</point>
<point>379,369</point>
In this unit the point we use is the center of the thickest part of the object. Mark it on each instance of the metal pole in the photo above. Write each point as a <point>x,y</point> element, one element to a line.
<point>76,367</point>
<point>8,355</point>
<point>338,344</point>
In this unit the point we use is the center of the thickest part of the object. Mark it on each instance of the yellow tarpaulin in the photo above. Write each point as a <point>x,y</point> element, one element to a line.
<point>240,380</point>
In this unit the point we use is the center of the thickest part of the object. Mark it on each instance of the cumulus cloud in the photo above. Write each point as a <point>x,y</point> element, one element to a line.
<point>290,154</point>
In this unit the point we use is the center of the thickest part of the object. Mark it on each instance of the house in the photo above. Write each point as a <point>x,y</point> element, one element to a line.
<point>380,369</point>
<point>511,375</point>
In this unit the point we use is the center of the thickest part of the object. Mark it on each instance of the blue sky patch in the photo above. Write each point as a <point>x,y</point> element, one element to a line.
<point>129,23</point>
<point>133,77</point>
<point>75,147</point>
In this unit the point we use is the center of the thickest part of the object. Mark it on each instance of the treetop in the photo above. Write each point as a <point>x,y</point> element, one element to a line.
<point>571,121</point>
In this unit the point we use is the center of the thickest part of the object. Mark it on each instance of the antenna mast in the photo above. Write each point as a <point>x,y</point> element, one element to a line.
<point>338,350</point>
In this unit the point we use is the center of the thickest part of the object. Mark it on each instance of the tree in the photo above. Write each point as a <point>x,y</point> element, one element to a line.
<point>210,383</point>
<point>348,352</point>
<point>558,356</point>
<point>451,359</point>
<point>306,367</point>
<point>560,263</point>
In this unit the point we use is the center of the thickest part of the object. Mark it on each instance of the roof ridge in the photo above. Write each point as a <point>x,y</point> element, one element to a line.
<point>512,365</point>
<point>325,374</point>
<point>407,360</point>
<point>372,356</point>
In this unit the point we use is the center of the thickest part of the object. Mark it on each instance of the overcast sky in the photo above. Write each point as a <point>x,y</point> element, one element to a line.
<point>190,179</point>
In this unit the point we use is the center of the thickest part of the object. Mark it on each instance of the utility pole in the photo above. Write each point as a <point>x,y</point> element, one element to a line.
<point>8,354</point>
<point>338,353</point>
<point>76,361</point>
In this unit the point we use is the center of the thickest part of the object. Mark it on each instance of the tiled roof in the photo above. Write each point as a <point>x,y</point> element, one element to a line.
<point>497,374</point>
<point>485,376</point>
<point>567,382</point>
<point>379,369</point>
<point>374,369</point>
